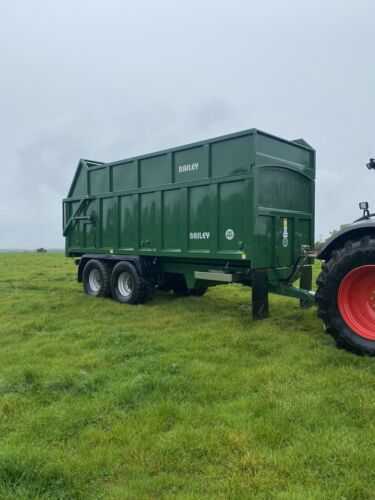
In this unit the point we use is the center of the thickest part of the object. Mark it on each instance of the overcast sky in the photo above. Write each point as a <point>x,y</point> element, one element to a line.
<point>106,80</point>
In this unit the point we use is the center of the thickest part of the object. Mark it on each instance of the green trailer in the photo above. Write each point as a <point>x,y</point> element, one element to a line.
<point>233,209</point>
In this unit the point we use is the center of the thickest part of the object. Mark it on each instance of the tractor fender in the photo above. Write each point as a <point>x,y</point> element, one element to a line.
<point>353,231</point>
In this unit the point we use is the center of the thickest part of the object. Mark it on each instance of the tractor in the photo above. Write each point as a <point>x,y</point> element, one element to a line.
<point>346,285</point>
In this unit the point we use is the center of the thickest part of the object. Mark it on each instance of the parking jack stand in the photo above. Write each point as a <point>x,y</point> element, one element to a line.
<point>306,283</point>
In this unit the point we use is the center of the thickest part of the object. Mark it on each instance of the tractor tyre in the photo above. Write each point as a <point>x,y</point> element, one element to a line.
<point>346,296</point>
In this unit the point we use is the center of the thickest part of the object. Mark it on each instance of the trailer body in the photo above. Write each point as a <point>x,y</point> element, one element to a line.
<point>231,205</point>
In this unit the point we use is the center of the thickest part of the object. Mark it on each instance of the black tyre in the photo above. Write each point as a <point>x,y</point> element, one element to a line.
<point>127,286</point>
<point>198,292</point>
<point>96,278</point>
<point>346,296</point>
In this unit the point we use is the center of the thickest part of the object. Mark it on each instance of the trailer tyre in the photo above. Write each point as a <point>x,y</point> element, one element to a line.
<point>346,296</point>
<point>127,286</point>
<point>96,278</point>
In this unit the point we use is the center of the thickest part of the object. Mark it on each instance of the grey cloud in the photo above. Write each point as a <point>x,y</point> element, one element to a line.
<point>109,80</point>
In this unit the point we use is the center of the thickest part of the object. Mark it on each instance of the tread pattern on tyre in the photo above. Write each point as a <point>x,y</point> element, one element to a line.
<point>142,288</point>
<point>354,254</point>
<point>105,272</point>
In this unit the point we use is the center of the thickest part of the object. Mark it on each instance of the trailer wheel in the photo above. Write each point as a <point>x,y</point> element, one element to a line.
<point>96,278</point>
<point>127,286</point>
<point>346,296</point>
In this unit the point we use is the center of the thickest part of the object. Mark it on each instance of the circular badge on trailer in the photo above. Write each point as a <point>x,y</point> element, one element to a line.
<point>229,234</point>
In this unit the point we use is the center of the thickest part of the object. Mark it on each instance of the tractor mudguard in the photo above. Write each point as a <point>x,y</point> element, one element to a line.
<point>353,231</point>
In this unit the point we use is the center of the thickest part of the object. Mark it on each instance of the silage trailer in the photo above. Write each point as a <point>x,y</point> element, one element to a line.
<point>234,209</point>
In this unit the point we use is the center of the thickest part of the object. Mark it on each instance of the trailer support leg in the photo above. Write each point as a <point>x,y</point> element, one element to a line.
<point>260,295</point>
<point>306,283</point>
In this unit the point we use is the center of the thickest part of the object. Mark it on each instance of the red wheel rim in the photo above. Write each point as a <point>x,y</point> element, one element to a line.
<point>356,301</point>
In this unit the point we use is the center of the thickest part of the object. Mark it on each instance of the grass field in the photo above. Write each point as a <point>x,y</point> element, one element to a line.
<point>182,398</point>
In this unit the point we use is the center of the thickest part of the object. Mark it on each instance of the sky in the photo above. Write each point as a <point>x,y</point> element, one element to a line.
<point>108,80</point>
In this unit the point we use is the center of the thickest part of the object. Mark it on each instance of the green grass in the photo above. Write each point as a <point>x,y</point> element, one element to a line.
<point>182,398</point>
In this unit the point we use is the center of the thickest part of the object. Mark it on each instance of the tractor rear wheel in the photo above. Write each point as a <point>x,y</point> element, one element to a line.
<point>346,296</point>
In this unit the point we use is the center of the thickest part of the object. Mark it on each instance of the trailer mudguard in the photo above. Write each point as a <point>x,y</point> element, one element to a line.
<point>350,232</point>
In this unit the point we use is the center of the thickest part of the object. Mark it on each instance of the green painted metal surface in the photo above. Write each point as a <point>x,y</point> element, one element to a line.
<point>245,198</point>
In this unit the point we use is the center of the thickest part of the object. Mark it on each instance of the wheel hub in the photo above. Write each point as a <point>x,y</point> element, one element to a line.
<point>356,301</point>
<point>95,280</point>
<point>125,284</point>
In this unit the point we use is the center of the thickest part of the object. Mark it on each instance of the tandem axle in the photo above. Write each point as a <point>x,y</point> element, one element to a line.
<point>185,278</point>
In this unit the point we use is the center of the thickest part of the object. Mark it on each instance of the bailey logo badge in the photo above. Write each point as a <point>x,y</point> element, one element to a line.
<point>188,167</point>
<point>229,234</point>
<point>198,235</point>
